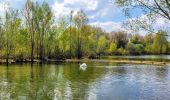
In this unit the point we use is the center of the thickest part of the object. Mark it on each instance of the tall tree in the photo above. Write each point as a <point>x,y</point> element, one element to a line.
<point>102,45</point>
<point>1,37</point>
<point>71,18</point>
<point>12,23</point>
<point>80,20</point>
<point>148,41</point>
<point>63,34</point>
<point>120,38</point>
<point>160,43</point>
<point>42,20</point>
<point>28,13</point>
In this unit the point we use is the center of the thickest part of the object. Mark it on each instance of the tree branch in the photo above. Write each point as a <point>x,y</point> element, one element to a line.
<point>167,3</point>
<point>151,8</point>
<point>162,10</point>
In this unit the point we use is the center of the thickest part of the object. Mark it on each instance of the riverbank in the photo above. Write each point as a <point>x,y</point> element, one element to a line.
<point>120,61</point>
<point>150,62</point>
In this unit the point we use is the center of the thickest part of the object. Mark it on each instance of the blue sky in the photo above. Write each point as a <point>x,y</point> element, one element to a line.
<point>102,13</point>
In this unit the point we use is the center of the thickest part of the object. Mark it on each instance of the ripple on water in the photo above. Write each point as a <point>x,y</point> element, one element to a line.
<point>98,82</point>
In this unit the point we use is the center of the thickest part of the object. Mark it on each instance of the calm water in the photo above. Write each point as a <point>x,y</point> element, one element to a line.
<point>100,81</point>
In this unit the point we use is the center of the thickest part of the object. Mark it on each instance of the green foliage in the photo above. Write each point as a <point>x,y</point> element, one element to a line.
<point>160,43</point>
<point>112,48</point>
<point>120,38</point>
<point>137,39</point>
<point>122,51</point>
<point>102,45</point>
<point>135,49</point>
<point>21,50</point>
<point>139,48</point>
<point>40,36</point>
<point>148,49</point>
<point>140,44</point>
<point>80,20</point>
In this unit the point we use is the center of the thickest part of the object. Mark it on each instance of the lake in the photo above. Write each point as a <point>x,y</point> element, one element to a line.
<point>100,81</point>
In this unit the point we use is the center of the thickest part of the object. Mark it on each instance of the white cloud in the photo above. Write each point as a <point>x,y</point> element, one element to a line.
<point>64,8</point>
<point>96,10</point>
<point>6,4</point>
<point>93,8</point>
<point>109,26</point>
<point>3,7</point>
<point>162,22</point>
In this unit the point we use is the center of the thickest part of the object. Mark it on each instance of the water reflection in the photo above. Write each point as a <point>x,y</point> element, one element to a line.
<point>162,72</point>
<point>100,81</point>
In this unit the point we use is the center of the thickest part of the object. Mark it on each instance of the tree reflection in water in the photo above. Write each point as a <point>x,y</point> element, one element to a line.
<point>65,81</point>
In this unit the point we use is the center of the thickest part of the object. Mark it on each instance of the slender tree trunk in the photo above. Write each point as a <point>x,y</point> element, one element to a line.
<point>70,42</point>
<point>78,48</point>
<point>7,51</point>
<point>32,52</point>
<point>32,42</point>
<point>70,35</point>
<point>37,46</point>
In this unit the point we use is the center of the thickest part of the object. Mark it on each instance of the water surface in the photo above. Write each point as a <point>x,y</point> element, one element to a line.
<point>100,81</point>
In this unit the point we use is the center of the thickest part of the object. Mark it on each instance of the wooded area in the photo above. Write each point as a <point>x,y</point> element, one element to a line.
<point>35,34</point>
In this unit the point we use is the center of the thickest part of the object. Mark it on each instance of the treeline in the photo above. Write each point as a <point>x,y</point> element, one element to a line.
<point>35,34</point>
<point>136,44</point>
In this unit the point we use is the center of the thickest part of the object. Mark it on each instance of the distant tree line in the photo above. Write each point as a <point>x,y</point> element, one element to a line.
<point>137,44</point>
<point>35,34</point>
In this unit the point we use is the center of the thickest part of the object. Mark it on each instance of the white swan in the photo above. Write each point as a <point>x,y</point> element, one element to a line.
<point>83,66</point>
<point>57,95</point>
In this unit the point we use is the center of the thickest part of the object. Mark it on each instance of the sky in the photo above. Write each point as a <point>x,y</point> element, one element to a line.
<point>102,13</point>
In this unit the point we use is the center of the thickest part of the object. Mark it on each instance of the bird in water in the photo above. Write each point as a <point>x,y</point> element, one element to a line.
<point>83,66</point>
<point>57,95</point>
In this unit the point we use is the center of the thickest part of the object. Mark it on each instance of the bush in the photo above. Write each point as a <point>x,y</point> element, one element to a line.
<point>135,49</point>
<point>122,51</point>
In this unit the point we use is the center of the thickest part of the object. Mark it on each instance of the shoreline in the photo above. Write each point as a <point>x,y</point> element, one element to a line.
<point>149,62</point>
<point>122,61</point>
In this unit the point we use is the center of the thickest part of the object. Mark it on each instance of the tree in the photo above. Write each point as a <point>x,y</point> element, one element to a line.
<point>71,18</point>
<point>2,33</point>
<point>152,10</point>
<point>12,23</point>
<point>42,20</point>
<point>112,48</point>
<point>120,38</point>
<point>136,39</point>
<point>22,47</point>
<point>47,21</point>
<point>28,13</point>
<point>39,35</point>
<point>63,34</point>
<point>148,41</point>
<point>161,7</point>
<point>135,49</point>
<point>102,45</point>
<point>80,21</point>
<point>160,43</point>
